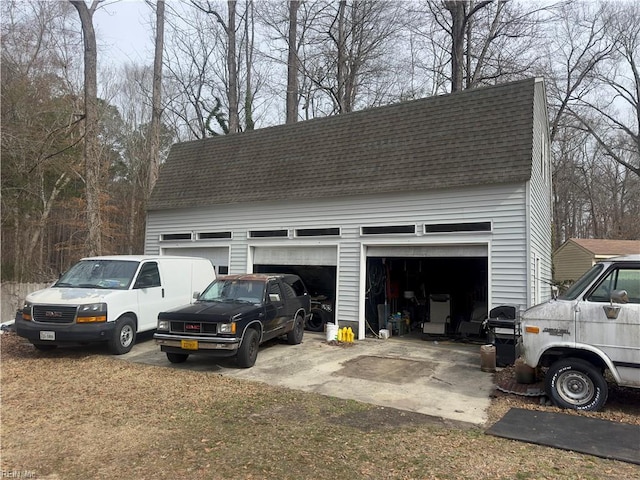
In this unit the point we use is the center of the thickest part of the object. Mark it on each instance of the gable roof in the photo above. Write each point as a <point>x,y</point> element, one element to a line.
<point>473,137</point>
<point>608,248</point>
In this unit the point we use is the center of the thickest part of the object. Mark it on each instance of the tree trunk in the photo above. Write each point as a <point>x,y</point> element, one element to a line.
<point>234,120</point>
<point>156,102</point>
<point>458,20</point>
<point>292,64</point>
<point>342,57</point>
<point>91,150</point>
<point>248,57</point>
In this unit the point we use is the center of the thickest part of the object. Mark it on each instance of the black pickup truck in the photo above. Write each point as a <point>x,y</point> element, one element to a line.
<point>234,315</point>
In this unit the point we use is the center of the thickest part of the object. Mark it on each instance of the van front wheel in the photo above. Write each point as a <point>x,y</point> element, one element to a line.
<point>574,383</point>
<point>124,336</point>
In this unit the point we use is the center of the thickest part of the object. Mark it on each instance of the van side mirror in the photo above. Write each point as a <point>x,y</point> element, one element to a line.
<point>196,295</point>
<point>554,291</point>
<point>619,296</point>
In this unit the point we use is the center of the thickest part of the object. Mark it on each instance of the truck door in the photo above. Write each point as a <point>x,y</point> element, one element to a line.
<point>275,306</point>
<point>151,296</point>
<point>613,327</point>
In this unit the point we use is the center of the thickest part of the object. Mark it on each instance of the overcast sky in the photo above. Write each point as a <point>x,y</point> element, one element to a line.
<point>124,32</point>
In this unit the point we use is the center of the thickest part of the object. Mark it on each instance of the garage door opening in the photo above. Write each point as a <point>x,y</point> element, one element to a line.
<point>427,296</point>
<point>321,284</point>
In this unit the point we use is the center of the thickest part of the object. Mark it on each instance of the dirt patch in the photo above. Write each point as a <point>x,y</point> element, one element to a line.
<point>78,413</point>
<point>386,369</point>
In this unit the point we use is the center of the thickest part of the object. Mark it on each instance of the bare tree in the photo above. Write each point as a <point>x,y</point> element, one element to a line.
<point>461,13</point>
<point>39,131</point>
<point>346,50</point>
<point>292,63</point>
<point>618,106</point>
<point>156,101</point>
<point>229,28</point>
<point>91,156</point>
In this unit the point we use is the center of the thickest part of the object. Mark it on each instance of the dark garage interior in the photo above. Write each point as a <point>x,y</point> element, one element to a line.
<point>321,284</point>
<point>429,296</point>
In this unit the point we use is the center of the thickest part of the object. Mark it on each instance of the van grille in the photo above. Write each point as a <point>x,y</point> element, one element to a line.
<point>54,314</point>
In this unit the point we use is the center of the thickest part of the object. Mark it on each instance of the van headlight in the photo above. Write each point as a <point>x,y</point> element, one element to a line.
<point>163,325</point>
<point>92,313</point>
<point>27,311</point>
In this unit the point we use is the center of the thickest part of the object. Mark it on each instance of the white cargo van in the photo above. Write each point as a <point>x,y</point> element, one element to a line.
<point>593,328</point>
<point>111,299</point>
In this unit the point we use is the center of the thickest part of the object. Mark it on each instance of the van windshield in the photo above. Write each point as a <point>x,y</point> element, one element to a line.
<point>107,274</point>
<point>577,288</point>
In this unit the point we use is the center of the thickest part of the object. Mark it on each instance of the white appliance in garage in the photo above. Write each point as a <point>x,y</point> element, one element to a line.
<point>439,314</point>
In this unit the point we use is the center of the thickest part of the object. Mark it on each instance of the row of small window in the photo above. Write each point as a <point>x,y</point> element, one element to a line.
<point>335,232</point>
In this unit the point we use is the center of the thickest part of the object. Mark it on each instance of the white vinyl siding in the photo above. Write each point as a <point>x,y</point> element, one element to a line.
<point>503,206</point>
<point>539,206</point>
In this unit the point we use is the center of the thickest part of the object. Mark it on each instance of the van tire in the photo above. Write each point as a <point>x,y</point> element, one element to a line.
<point>124,336</point>
<point>177,357</point>
<point>573,383</point>
<point>248,351</point>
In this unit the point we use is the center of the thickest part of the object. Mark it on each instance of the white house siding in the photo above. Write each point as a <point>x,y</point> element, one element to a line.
<point>503,205</point>
<point>540,210</point>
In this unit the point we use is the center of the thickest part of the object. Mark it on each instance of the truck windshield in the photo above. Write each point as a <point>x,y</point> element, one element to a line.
<point>234,290</point>
<point>578,287</point>
<point>107,274</point>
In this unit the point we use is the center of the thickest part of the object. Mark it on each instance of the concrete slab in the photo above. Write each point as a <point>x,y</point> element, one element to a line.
<point>441,379</point>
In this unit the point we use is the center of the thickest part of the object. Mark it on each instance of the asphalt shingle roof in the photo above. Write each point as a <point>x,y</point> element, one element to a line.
<point>609,247</point>
<point>473,137</point>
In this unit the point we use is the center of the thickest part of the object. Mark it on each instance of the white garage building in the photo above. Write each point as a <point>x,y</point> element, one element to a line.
<point>380,210</point>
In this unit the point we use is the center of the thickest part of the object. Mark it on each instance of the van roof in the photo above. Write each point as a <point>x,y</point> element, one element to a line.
<point>140,258</point>
<point>623,258</point>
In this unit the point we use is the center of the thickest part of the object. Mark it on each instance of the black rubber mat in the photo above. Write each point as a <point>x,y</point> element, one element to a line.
<point>602,438</point>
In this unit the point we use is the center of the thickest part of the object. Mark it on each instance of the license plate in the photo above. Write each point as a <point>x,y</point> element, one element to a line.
<point>47,335</point>
<point>189,344</point>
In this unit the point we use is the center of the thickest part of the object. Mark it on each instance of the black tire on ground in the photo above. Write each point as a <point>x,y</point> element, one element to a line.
<point>124,336</point>
<point>45,347</point>
<point>316,320</point>
<point>576,384</point>
<point>294,337</point>
<point>248,351</point>
<point>177,357</point>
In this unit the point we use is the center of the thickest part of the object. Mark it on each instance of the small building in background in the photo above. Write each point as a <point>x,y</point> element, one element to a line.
<point>577,255</point>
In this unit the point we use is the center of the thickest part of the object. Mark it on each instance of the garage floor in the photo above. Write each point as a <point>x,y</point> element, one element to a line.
<point>442,379</point>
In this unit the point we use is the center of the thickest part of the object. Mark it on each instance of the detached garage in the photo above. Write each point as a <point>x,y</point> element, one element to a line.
<point>439,208</point>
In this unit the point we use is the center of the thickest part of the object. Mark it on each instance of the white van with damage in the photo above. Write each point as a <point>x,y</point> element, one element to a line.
<point>111,299</point>
<point>592,329</point>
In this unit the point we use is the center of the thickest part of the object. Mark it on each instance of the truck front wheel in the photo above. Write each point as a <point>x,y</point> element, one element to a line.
<point>177,357</point>
<point>576,384</point>
<point>248,351</point>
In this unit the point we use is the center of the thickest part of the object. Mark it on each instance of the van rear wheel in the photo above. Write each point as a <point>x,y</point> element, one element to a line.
<point>576,384</point>
<point>124,336</point>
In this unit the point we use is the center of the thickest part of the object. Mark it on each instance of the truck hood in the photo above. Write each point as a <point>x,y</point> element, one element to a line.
<point>210,311</point>
<point>66,296</point>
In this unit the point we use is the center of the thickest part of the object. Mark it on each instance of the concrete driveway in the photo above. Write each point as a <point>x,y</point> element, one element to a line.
<point>441,379</point>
